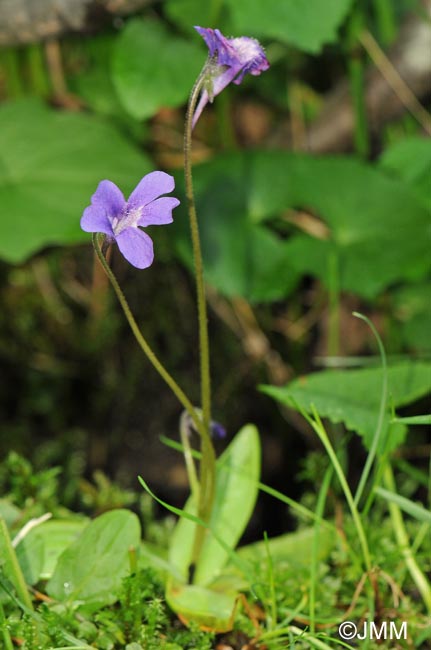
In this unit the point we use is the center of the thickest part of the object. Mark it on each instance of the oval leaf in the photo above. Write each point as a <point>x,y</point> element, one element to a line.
<point>90,570</point>
<point>238,470</point>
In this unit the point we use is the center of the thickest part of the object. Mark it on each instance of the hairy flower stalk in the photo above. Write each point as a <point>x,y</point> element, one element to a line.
<point>207,473</point>
<point>144,345</point>
<point>228,61</point>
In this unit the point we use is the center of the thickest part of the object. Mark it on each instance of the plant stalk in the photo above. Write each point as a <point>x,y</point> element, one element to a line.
<point>356,71</point>
<point>144,345</point>
<point>419,578</point>
<point>207,467</point>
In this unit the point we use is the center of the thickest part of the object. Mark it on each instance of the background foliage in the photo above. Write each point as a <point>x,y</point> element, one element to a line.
<point>297,232</point>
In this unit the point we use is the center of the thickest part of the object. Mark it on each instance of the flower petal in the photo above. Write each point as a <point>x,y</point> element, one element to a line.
<point>106,204</point>
<point>203,101</point>
<point>136,246</point>
<point>222,80</point>
<point>110,197</point>
<point>218,45</point>
<point>150,188</point>
<point>158,212</point>
<point>95,219</point>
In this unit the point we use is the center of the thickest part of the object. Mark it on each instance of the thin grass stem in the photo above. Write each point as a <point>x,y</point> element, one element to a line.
<point>11,566</point>
<point>420,580</point>
<point>323,492</point>
<point>318,427</point>
<point>382,409</point>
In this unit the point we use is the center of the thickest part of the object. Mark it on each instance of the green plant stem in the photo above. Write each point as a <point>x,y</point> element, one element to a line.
<point>37,69</point>
<point>334,303</point>
<point>11,566</point>
<point>323,492</point>
<point>208,465</point>
<point>386,22</point>
<point>197,255</point>
<point>4,630</point>
<point>9,60</point>
<point>356,72</point>
<point>188,458</point>
<point>420,580</point>
<point>272,620</point>
<point>178,392</point>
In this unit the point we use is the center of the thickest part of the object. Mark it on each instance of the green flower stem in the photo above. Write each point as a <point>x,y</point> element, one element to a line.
<point>208,466</point>
<point>419,578</point>
<point>11,567</point>
<point>197,254</point>
<point>178,392</point>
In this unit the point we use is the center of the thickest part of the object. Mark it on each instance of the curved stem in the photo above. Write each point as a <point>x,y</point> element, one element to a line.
<point>178,392</point>
<point>207,467</point>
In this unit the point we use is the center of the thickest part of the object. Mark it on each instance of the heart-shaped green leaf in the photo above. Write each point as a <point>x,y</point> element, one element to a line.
<point>50,164</point>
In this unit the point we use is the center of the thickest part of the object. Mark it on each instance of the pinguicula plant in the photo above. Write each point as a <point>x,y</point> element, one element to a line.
<point>223,493</point>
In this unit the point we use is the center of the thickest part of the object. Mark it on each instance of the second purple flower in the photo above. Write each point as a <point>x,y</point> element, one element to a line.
<point>230,60</point>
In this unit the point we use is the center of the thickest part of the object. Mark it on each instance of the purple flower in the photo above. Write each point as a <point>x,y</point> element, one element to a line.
<point>119,220</point>
<point>217,430</point>
<point>230,60</point>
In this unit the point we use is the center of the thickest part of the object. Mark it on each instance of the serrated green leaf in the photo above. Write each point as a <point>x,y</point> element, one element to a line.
<point>152,69</point>
<point>50,165</point>
<point>353,396</point>
<point>91,569</point>
<point>306,24</point>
